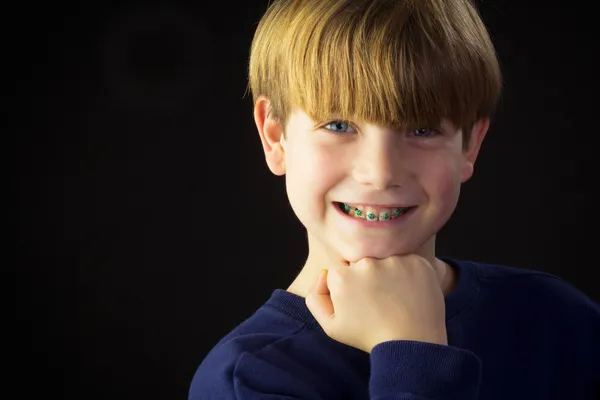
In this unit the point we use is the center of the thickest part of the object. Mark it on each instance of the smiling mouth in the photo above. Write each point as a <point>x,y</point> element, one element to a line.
<point>371,213</point>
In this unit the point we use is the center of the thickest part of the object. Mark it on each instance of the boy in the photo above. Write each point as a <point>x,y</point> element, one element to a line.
<point>375,111</point>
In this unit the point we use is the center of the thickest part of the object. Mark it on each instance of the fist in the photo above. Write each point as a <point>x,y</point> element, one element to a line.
<point>374,301</point>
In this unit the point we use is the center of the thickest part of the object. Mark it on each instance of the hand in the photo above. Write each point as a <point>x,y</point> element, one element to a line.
<point>374,301</point>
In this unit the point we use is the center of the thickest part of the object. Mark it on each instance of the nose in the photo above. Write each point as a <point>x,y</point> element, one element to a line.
<point>378,162</point>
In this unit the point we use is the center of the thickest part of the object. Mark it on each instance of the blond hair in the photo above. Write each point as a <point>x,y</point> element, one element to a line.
<point>404,64</point>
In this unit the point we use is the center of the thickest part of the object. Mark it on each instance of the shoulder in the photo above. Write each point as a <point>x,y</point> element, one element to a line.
<point>546,307</point>
<point>543,287</point>
<point>546,303</point>
<point>534,294</point>
<point>261,364</point>
<point>251,359</point>
<point>215,377</point>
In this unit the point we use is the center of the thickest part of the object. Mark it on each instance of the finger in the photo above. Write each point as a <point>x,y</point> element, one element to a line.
<point>319,303</point>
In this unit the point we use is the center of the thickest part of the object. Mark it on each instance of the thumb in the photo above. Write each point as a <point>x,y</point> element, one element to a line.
<point>318,300</point>
<point>321,287</point>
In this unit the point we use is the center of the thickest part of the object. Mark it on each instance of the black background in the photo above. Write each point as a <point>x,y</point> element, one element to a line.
<point>148,224</point>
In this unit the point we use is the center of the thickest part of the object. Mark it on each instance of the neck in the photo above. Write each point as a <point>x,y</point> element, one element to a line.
<point>319,258</point>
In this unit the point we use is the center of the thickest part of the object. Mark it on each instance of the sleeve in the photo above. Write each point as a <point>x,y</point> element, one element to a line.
<point>411,370</point>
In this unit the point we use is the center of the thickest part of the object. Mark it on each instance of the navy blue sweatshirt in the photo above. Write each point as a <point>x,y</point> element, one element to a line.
<point>512,334</point>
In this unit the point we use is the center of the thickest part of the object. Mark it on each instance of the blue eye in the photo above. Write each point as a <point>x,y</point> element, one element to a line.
<point>339,125</point>
<point>423,132</point>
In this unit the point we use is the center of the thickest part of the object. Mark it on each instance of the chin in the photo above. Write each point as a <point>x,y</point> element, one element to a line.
<point>356,253</point>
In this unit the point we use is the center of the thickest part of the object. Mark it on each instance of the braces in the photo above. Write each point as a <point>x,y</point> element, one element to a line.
<point>370,216</point>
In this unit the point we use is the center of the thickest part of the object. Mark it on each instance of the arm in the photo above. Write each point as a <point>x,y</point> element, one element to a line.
<point>400,370</point>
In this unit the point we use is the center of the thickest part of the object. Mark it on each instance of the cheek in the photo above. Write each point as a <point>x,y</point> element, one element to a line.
<point>311,167</point>
<point>441,179</point>
<point>311,172</point>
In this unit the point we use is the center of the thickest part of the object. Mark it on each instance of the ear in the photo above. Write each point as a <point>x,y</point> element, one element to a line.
<point>470,153</point>
<point>271,136</point>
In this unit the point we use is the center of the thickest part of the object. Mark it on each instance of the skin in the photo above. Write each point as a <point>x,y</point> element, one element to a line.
<point>389,268</point>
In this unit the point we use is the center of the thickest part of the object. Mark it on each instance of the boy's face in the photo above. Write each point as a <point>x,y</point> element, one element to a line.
<point>374,170</point>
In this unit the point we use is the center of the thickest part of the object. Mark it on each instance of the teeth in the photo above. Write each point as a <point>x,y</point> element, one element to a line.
<point>385,215</point>
<point>373,215</point>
